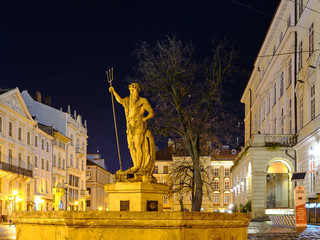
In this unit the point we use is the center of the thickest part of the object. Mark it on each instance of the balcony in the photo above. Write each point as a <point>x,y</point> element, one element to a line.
<point>79,151</point>
<point>15,169</point>
<point>279,140</point>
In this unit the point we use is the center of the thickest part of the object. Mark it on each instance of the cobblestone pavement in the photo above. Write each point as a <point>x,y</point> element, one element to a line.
<point>7,232</point>
<point>265,230</point>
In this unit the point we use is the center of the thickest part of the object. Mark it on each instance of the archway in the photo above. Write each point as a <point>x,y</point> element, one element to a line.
<point>278,185</point>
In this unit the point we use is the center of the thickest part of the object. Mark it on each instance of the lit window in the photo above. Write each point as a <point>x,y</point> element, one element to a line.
<point>216,172</point>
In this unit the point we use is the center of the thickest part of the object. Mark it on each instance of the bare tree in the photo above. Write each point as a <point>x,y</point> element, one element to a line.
<point>184,94</point>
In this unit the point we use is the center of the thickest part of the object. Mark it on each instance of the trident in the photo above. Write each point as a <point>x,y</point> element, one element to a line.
<point>110,79</point>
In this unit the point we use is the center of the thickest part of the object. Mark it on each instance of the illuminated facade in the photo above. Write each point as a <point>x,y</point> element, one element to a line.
<point>72,127</point>
<point>97,178</point>
<point>217,194</point>
<point>281,111</point>
<point>17,131</point>
<point>42,170</point>
<point>308,99</point>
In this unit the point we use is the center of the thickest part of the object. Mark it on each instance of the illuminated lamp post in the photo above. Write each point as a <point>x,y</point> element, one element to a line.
<point>77,205</point>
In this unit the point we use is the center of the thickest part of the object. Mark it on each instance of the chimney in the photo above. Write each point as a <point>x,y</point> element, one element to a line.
<point>38,96</point>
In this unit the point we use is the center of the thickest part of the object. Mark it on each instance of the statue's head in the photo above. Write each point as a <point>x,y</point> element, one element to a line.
<point>135,86</point>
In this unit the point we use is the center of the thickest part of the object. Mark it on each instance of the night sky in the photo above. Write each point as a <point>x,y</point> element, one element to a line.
<point>63,49</point>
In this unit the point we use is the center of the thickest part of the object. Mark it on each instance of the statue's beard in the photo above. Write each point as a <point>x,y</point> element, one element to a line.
<point>133,98</point>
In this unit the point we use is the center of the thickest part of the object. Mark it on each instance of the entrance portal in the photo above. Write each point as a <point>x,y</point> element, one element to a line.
<point>277,186</point>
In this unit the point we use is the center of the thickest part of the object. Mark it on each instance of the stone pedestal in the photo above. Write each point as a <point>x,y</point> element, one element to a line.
<point>135,196</point>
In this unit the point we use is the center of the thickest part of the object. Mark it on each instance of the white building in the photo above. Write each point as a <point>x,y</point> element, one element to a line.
<point>282,112</point>
<point>42,171</point>
<point>17,131</point>
<point>73,128</point>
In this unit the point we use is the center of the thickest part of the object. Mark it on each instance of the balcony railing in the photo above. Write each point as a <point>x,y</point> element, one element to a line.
<point>282,140</point>
<point>15,169</point>
<point>79,151</point>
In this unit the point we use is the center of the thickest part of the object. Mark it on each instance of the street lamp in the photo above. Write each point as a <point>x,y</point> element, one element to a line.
<point>66,185</point>
<point>77,204</point>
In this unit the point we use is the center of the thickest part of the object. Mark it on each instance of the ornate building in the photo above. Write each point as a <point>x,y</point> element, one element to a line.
<point>17,131</point>
<point>76,149</point>
<point>97,178</point>
<point>282,112</point>
<point>217,195</point>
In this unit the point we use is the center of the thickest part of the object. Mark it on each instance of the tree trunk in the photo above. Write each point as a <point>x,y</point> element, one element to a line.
<point>197,199</point>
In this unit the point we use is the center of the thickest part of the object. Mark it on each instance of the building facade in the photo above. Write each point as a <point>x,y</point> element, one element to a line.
<point>72,127</point>
<point>281,111</point>
<point>97,178</point>
<point>215,168</point>
<point>17,131</point>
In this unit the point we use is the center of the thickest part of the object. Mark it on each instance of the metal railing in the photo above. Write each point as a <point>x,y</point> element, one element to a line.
<point>15,169</point>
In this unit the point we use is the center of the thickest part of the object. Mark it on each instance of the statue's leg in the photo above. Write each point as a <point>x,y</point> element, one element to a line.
<point>132,150</point>
<point>137,139</point>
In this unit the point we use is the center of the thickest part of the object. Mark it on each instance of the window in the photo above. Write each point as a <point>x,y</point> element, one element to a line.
<point>20,160</point>
<point>89,190</point>
<point>10,129</point>
<point>28,138</point>
<point>29,163</point>
<point>282,122</point>
<point>35,185</point>
<point>275,125</point>
<point>59,162</point>
<point>226,199</point>
<point>36,141</point>
<point>42,185</point>
<point>216,199</point>
<point>71,160</point>
<point>48,165</point>
<point>289,72</point>
<point>165,169</point>
<point>312,102</point>
<point>281,84</point>
<point>0,123</point>
<point>0,154</point>
<point>71,136</point>
<point>300,56</point>
<point>301,112</point>
<point>20,134</point>
<point>227,172</point>
<point>88,203</point>
<point>216,172</point>
<point>54,163</point>
<point>290,116</point>
<point>311,40</point>
<point>156,169</point>
<point>300,7</point>
<point>289,21</point>
<point>312,173</point>
<point>63,163</point>
<point>42,163</point>
<point>42,144</point>
<point>36,161</point>
<point>274,94</point>
<point>82,165</point>
<point>47,146</point>
<point>226,185</point>
<point>216,184</point>
<point>47,186</point>
<point>77,163</point>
